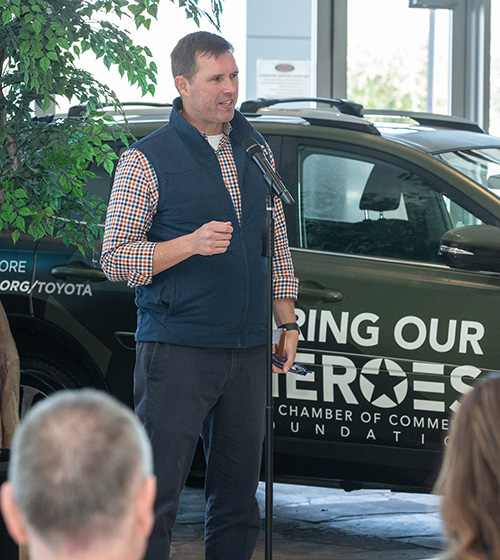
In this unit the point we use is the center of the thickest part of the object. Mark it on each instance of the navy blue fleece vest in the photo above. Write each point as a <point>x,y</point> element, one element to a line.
<point>215,301</point>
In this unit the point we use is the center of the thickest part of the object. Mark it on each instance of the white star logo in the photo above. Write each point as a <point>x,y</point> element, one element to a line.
<point>383,383</point>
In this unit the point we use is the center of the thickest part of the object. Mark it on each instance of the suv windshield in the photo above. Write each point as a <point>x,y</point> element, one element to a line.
<point>479,164</point>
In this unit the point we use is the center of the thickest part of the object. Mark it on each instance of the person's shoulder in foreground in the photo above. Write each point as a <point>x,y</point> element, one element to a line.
<point>80,480</point>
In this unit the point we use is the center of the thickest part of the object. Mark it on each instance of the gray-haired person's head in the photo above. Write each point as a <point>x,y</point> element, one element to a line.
<point>185,53</point>
<point>74,460</point>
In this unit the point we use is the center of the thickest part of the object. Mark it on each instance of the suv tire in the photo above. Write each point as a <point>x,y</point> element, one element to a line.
<point>39,379</point>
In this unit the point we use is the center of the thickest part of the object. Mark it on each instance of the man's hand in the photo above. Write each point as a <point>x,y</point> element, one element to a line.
<point>212,238</point>
<point>291,342</point>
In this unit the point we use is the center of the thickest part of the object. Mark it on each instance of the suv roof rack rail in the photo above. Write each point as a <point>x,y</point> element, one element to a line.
<point>145,104</point>
<point>47,118</point>
<point>343,105</point>
<point>79,110</point>
<point>428,119</point>
<point>360,125</point>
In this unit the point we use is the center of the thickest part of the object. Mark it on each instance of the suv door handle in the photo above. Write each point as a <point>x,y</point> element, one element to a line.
<point>313,290</point>
<point>78,272</point>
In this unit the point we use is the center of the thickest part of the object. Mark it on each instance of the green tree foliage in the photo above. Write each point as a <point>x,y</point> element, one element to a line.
<point>388,84</point>
<point>44,163</point>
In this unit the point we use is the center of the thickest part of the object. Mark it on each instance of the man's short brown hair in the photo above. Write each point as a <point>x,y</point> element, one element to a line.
<point>183,57</point>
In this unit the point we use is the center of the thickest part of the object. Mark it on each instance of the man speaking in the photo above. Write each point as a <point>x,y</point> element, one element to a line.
<point>184,227</point>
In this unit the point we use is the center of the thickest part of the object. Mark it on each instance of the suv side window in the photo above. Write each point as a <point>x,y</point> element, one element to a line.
<point>359,205</point>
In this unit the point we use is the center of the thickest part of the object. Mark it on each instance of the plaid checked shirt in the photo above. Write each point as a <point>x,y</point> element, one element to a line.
<point>127,255</point>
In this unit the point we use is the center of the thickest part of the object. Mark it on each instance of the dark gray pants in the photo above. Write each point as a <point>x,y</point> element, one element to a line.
<point>182,392</point>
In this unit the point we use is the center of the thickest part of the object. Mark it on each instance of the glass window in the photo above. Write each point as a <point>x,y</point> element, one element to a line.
<point>398,57</point>
<point>358,205</point>
<point>495,70</point>
<point>481,165</point>
<point>459,216</point>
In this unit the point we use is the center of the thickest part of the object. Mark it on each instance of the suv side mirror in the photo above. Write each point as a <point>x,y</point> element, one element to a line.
<point>472,248</point>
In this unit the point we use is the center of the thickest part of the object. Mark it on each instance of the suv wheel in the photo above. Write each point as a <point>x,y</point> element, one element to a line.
<point>39,379</point>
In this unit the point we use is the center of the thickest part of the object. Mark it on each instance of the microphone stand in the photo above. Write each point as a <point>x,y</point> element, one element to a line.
<point>276,187</point>
<point>268,251</point>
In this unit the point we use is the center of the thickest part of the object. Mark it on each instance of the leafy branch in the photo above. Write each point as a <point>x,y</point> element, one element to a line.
<point>44,164</point>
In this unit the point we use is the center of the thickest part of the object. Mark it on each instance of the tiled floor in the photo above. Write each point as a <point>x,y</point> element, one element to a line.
<point>325,523</point>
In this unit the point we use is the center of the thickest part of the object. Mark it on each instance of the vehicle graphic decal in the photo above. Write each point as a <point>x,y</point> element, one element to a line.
<point>384,400</point>
<point>49,288</point>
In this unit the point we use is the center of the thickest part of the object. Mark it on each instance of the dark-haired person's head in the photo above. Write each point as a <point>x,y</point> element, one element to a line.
<point>206,77</point>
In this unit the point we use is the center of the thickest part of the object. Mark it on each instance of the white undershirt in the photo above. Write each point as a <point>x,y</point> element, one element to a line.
<point>214,141</point>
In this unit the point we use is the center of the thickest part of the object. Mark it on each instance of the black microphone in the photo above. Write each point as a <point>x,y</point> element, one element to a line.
<point>254,150</point>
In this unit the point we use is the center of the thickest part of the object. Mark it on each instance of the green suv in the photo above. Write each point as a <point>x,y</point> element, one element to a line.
<point>395,239</point>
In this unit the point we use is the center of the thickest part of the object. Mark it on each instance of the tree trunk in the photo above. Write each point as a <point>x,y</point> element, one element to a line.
<point>9,382</point>
<point>10,376</point>
<point>9,357</point>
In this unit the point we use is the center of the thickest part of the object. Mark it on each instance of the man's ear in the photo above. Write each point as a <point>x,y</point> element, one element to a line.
<point>11,514</point>
<point>181,84</point>
<point>145,505</point>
